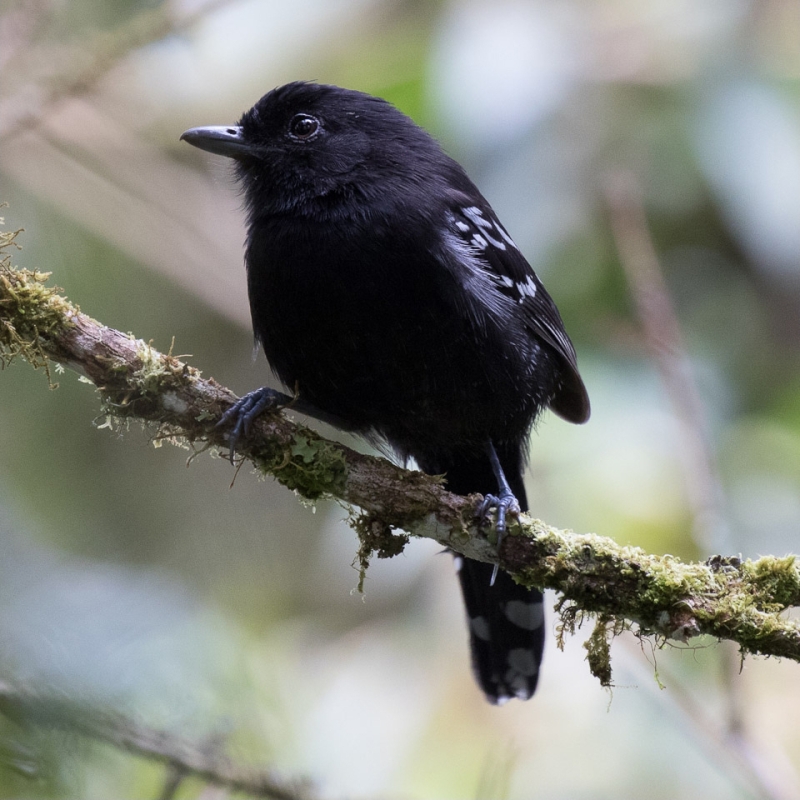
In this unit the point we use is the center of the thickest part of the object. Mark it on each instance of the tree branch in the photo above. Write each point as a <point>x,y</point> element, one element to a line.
<point>93,60</point>
<point>661,332</point>
<point>722,597</point>
<point>182,757</point>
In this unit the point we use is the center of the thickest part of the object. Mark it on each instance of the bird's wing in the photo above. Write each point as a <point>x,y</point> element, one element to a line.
<point>477,227</point>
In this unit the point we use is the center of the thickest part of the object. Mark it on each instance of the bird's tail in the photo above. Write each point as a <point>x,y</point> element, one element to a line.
<point>506,620</point>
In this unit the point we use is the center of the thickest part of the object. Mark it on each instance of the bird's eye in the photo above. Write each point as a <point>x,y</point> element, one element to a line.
<point>303,127</point>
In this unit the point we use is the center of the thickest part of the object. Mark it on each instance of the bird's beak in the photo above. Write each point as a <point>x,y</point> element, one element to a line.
<point>224,140</point>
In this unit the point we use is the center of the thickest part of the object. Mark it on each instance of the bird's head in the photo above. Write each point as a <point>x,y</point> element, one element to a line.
<point>305,144</point>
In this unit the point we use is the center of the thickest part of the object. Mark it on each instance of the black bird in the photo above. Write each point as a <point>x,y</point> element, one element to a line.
<point>385,291</point>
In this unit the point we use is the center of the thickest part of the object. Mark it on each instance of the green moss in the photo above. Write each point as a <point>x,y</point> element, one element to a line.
<point>375,536</point>
<point>149,377</point>
<point>313,467</point>
<point>28,310</point>
<point>598,651</point>
<point>777,581</point>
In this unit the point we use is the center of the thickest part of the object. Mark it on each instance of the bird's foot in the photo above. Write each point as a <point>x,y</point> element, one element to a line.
<point>506,505</point>
<point>245,410</point>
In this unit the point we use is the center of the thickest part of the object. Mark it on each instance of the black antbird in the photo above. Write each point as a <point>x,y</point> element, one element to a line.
<point>384,288</point>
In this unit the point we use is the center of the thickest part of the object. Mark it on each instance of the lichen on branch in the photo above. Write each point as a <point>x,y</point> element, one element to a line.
<point>663,596</point>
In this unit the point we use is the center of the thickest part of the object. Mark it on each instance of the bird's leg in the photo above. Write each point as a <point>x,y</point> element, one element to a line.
<point>504,501</point>
<point>245,410</point>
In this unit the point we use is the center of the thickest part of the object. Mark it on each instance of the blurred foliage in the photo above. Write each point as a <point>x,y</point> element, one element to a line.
<point>129,581</point>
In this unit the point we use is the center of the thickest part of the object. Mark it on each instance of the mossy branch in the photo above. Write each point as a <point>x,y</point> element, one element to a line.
<point>722,597</point>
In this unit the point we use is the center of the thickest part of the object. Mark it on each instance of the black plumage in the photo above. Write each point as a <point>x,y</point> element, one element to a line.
<point>384,289</point>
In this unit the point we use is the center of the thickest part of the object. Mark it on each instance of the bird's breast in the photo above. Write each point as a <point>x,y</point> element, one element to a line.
<point>369,328</point>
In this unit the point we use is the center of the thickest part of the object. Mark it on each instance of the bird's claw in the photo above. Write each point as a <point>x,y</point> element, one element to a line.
<point>506,505</point>
<point>245,410</point>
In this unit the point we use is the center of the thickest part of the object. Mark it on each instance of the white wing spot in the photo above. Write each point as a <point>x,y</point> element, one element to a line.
<point>481,282</point>
<point>479,241</point>
<point>529,616</point>
<point>486,225</point>
<point>462,226</point>
<point>527,289</point>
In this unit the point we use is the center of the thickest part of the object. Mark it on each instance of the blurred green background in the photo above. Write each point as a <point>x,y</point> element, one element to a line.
<point>128,581</point>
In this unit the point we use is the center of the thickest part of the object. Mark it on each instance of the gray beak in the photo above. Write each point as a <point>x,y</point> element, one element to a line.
<point>224,140</point>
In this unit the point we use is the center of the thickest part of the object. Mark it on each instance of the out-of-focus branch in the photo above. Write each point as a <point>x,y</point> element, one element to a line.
<point>664,340</point>
<point>93,61</point>
<point>723,597</point>
<point>761,771</point>
<point>771,773</point>
<point>182,757</point>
